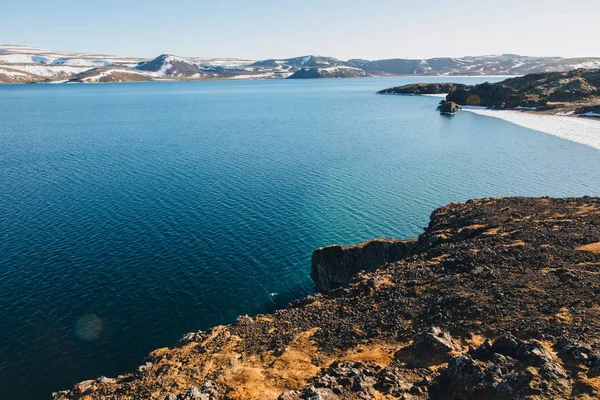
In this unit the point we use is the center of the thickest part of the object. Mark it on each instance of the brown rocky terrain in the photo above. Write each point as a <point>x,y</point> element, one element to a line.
<point>497,299</point>
<point>109,75</point>
<point>577,90</point>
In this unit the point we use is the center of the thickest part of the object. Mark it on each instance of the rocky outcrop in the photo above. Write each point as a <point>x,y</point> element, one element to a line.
<point>421,88</point>
<point>508,368</point>
<point>577,91</point>
<point>336,265</point>
<point>448,107</point>
<point>497,299</point>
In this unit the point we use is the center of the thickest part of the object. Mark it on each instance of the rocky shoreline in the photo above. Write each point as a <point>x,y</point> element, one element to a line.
<point>576,92</point>
<point>496,299</point>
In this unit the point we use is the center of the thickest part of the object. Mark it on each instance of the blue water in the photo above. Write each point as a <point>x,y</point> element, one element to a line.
<point>131,214</point>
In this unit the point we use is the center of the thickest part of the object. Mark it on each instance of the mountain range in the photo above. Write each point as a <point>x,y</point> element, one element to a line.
<point>24,64</point>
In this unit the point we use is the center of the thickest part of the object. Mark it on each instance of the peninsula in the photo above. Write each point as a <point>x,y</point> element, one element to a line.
<point>576,91</point>
<point>496,299</point>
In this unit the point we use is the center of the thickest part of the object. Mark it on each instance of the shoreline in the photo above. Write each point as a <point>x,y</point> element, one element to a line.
<point>356,323</point>
<point>581,130</point>
<point>266,78</point>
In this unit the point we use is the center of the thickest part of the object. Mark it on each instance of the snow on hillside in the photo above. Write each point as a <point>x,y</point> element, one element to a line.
<point>222,62</point>
<point>11,73</point>
<point>112,75</point>
<point>40,65</point>
<point>49,71</point>
<point>31,55</point>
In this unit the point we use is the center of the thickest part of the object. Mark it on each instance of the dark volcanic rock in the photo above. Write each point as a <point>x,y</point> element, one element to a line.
<point>434,342</point>
<point>494,276</point>
<point>448,107</point>
<point>422,88</point>
<point>577,90</point>
<point>508,369</point>
<point>336,265</point>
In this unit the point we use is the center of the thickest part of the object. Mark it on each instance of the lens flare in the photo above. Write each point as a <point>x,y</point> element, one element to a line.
<point>88,327</point>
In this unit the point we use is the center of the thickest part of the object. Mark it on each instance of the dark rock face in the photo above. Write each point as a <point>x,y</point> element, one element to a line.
<point>509,285</point>
<point>448,107</point>
<point>577,90</point>
<point>422,88</point>
<point>336,265</point>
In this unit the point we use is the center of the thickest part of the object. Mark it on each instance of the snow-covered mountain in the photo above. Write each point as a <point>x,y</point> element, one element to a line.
<point>24,64</point>
<point>338,71</point>
<point>505,64</point>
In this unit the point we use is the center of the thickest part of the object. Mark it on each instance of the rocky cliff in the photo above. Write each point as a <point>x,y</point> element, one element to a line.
<point>577,91</point>
<point>497,299</point>
<point>334,266</point>
<point>422,88</point>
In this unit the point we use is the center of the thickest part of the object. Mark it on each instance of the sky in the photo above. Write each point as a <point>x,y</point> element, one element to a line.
<point>261,29</point>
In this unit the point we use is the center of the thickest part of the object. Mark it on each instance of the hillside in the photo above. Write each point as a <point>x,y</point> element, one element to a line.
<point>505,64</point>
<point>24,64</point>
<point>329,72</point>
<point>496,299</point>
<point>577,91</point>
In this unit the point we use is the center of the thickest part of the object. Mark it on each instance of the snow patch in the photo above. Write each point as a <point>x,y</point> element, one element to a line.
<point>340,68</point>
<point>10,73</point>
<point>16,59</point>
<point>49,71</point>
<point>579,130</point>
<point>102,74</point>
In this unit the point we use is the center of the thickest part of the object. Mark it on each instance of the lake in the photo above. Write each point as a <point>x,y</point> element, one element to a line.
<point>134,213</point>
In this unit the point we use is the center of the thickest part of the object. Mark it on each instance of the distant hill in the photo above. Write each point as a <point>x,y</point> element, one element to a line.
<point>340,71</point>
<point>23,64</point>
<point>505,64</point>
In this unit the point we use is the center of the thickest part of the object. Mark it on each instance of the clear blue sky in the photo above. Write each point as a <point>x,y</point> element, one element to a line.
<point>285,28</point>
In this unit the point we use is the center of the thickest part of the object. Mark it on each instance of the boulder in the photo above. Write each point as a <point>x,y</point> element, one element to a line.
<point>508,368</point>
<point>448,107</point>
<point>434,342</point>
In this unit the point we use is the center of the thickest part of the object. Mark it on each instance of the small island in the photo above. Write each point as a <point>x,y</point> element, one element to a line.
<point>448,107</point>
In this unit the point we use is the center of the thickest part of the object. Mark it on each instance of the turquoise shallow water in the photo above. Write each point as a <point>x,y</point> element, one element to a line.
<point>134,213</point>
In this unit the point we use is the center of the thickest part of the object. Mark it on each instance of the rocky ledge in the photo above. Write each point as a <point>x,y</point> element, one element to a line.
<point>497,299</point>
<point>422,88</point>
<point>576,91</point>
